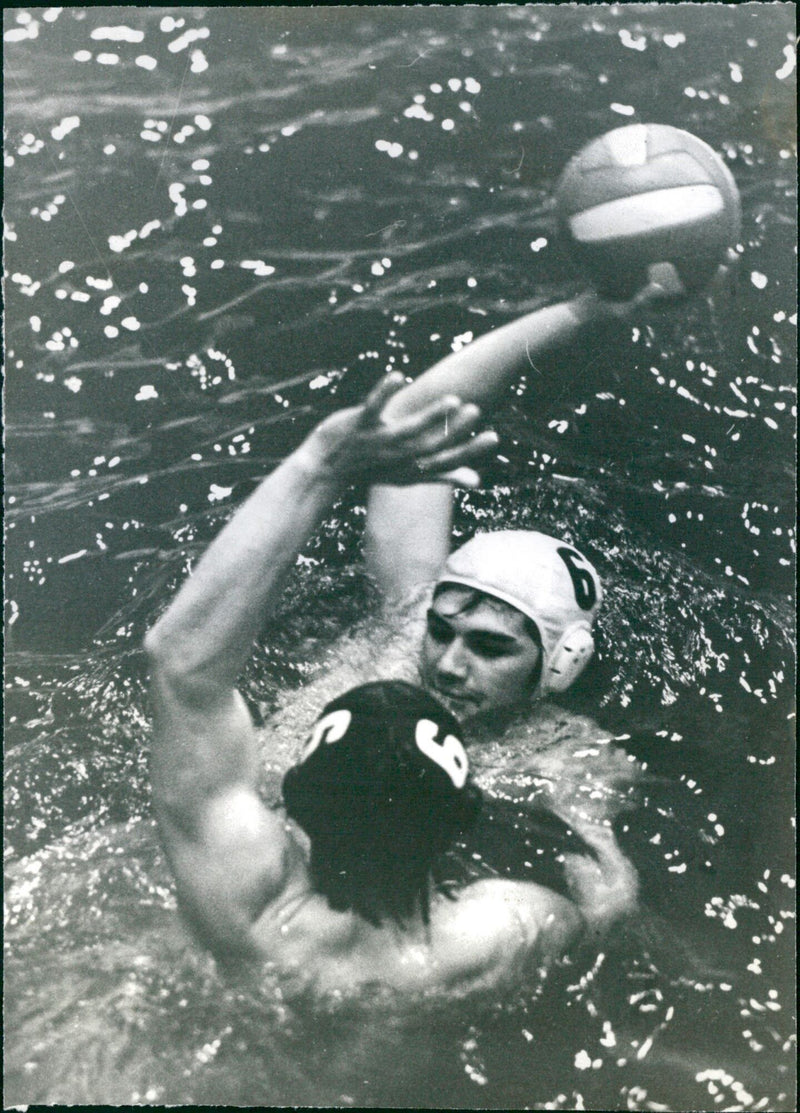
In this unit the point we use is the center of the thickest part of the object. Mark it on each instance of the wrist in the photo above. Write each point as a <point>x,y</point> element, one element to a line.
<point>586,307</point>
<point>316,460</point>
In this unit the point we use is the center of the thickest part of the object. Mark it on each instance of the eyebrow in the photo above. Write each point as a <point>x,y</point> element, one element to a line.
<point>494,636</point>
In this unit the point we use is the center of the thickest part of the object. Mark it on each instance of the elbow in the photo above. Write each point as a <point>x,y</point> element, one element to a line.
<point>163,658</point>
<point>170,665</point>
<point>180,670</point>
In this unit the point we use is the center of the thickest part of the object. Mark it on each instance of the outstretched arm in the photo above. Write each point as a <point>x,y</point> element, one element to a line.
<point>408,529</point>
<point>229,854</point>
<point>479,371</point>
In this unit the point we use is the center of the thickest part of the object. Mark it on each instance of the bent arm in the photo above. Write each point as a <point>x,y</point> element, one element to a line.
<point>229,854</point>
<point>407,535</point>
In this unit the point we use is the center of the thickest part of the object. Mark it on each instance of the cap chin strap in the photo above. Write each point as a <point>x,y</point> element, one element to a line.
<point>569,657</point>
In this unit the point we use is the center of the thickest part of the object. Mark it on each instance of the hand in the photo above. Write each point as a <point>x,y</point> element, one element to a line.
<point>665,286</point>
<point>432,444</point>
<point>722,286</point>
<point>605,887</point>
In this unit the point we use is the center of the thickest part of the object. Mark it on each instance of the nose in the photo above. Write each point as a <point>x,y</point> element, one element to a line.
<point>453,663</point>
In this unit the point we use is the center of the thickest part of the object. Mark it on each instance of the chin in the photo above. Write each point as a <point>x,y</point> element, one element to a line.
<point>464,710</point>
<point>493,721</point>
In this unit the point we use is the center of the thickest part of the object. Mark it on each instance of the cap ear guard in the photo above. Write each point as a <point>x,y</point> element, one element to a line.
<point>569,657</point>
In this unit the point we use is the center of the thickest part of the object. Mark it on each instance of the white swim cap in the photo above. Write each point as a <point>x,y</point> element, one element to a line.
<point>546,579</point>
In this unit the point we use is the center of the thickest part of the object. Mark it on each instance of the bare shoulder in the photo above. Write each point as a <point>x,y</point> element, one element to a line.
<point>529,908</point>
<point>496,928</point>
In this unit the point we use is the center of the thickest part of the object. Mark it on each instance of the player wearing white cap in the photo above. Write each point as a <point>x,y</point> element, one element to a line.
<point>547,582</point>
<point>512,613</point>
<point>509,616</point>
<point>526,631</point>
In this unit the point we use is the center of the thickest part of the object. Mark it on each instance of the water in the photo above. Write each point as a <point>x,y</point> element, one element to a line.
<point>221,225</point>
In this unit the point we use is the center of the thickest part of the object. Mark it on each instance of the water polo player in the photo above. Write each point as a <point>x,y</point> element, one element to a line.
<point>512,611</point>
<point>511,619</point>
<point>381,792</point>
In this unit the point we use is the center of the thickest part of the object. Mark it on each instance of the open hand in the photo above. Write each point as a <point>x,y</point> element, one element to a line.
<point>432,444</point>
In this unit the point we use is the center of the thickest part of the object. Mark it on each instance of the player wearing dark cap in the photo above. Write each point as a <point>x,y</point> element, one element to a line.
<point>381,792</point>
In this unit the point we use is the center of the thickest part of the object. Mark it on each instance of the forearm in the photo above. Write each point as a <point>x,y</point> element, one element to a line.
<point>480,371</point>
<point>407,536</point>
<point>206,635</point>
<point>408,530</point>
<point>203,641</point>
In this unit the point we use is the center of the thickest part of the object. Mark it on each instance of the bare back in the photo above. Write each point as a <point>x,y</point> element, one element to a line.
<point>488,935</point>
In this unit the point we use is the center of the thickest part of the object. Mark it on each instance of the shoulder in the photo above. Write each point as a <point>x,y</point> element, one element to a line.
<point>497,927</point>
<point>535,912</point>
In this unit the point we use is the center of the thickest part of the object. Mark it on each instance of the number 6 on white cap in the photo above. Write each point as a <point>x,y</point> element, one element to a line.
<point>448,755</point>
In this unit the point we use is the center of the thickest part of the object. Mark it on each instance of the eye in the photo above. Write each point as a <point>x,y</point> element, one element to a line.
<point>488,647</point>
<point>438,629</point>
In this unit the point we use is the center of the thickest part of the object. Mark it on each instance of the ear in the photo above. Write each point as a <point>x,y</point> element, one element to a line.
<point>570,656</point>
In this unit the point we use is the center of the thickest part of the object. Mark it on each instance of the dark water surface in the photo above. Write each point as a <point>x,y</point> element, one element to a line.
<point>223,223</point>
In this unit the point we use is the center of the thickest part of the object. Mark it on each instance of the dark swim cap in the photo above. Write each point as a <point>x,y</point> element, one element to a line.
<point>384,761</point>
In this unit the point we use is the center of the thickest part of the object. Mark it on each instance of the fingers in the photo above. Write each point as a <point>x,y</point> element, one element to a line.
<point>435,417</point>
<point>438,431</point>
<point>441,421</point>
<point>433,444</point>
<point>379,396</point>
<point>456,455</point>
<point>724,283</point>
<point>653,291</point>
<point>442,424</point>
<point>461,477</point>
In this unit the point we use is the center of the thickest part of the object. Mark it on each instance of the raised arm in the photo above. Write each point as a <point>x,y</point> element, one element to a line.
<point>478,372</point>
<point>229,854</point>
<point>408,529</point>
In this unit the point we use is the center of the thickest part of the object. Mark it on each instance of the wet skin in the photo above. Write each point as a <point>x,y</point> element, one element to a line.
<point>480,662</point>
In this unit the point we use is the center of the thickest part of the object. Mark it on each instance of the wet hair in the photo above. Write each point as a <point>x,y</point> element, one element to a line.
<point>378,811</point>
<point>473,598</point>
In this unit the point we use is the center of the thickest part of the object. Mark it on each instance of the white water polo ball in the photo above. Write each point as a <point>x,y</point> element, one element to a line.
<point>648,202</point>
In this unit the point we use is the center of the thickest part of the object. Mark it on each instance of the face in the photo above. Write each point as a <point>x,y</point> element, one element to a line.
<point>481,661</point>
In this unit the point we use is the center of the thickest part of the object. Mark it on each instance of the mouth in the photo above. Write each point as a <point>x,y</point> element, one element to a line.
<point>458,702</point>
